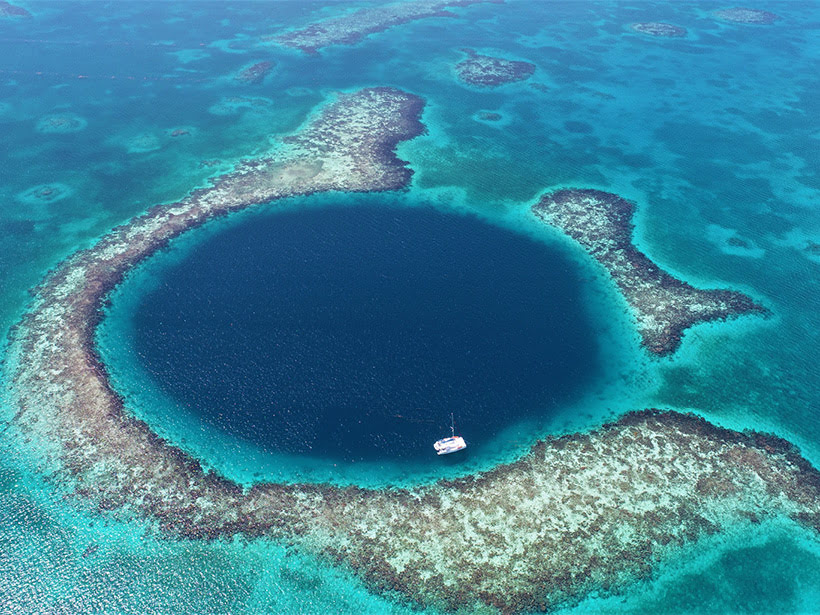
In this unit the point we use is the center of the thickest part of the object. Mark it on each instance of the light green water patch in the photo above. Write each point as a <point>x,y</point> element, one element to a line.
<point>494,118</point>
<point>240,44</point>
<point>806,244</point>
<point>187,56</point>
<point>485,164</point>
<point>736,380</point>
<point>232,105</point>
<point>44,194</point>
<point>672,231</point>
<point>751,374</point>
<point>757,370</point>
<point>298,91</point>
<point>14,112</point>
<point>729,241</point>
<point>139,142</point>
<point>291,583</point>
<point>745,368</point>
<point>773,567</point>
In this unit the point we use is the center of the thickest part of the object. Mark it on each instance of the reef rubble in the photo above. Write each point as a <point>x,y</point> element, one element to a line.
<point>490,72</point>
<point>351,28</point>
<point>579,513</point>
<point>662,305</point>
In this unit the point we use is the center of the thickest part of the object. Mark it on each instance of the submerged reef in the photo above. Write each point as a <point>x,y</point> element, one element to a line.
<point>351,28</point>
<point>662,305</point>
<point>813,248</point>
<point>490,116</point>
<point>141,143</point>
<point>254,74</point>
<point>743,15</point>
<point>230,105</point>
<point>61,123</point>
<point>489,72</point>
<point>10,10</point>
<point>658,28</point>
<point>577,514</point>
<point>44,193</point>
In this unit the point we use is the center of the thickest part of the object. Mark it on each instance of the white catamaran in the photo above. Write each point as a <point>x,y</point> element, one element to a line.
<point>453,444</point>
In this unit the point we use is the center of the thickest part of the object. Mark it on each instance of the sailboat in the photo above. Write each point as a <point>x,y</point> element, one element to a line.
<point>453,444</point>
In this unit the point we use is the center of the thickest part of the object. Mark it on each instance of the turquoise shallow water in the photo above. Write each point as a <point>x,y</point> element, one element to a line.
<point>713,134</point>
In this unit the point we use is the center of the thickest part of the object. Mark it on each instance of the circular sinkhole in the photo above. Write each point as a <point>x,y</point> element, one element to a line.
<point>351,333</point>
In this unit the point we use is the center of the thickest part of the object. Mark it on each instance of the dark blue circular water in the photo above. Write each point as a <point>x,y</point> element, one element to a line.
<point>353,332</point>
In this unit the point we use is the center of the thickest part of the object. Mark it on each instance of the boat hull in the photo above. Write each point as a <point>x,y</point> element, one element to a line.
<point>446,446</point>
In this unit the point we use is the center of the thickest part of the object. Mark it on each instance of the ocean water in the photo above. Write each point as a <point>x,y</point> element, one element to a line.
<point>347,330</point>
<point>714,135</point>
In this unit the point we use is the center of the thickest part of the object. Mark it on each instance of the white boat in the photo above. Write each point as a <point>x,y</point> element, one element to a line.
<point>453,444</point>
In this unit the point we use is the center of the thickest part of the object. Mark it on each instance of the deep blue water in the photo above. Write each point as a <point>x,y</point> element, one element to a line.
<point>353,333</point>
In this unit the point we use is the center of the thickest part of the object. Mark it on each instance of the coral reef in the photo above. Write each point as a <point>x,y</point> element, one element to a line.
<point>351,28</point>
<point>61,123</point>
<point>490,72</point>
<point>578,513</point>
<point>254,74</point>
<point>10,10</point>
<point>581,513</point>
<point>44,193</point>
<point>743,15</point>
<point>657,28</point>
<point>663,306</point>
<point>141,143</point>
<point>489,116</point>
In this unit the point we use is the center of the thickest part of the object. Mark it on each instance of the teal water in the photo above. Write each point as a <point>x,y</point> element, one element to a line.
<point>713,134</point>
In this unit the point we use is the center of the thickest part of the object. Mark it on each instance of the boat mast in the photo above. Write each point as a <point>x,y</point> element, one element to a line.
<point>452,425</point>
